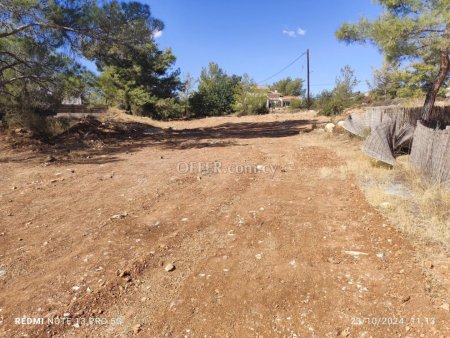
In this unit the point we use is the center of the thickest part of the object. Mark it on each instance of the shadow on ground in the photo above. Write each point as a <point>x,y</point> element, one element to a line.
<point>92,141</point>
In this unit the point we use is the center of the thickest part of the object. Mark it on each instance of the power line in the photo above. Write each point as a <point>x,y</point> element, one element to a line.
<point>322,84</point>
<point>282,70</point>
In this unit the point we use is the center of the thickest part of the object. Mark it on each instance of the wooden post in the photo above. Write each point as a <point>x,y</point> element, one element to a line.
<point>307,79</point>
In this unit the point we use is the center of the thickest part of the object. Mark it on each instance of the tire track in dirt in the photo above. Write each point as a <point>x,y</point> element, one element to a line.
<point>255,255</point>
<point>277,265</point>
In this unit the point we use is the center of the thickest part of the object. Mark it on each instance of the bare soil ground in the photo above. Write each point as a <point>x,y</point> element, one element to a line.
<point>287,248</point>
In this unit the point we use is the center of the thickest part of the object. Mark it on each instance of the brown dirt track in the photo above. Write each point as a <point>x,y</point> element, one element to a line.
<point>256,254</point>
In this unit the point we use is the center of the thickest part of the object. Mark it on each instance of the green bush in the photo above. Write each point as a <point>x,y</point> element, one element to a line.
<point>297,104</point>
<point>334,106</point>
<point>251,104</point>
<point>166,109</point>
<point>328,103</point>
<point>215,94</point>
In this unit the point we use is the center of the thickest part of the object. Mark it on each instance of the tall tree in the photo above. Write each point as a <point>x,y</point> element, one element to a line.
<point>289,86</point>
<point>386,81</point>
<point>216,90</point>
<point>345,83</point>
<point>40,41</point>
<point>409,29</point>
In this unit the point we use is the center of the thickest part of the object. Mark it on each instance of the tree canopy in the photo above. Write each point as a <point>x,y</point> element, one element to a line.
<point>289,86</point>
<point>409,30</point>
<point>216,92</point>
<point>41,42</point>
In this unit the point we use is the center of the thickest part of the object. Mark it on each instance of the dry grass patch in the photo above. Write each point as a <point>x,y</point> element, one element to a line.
<point>417,208</point>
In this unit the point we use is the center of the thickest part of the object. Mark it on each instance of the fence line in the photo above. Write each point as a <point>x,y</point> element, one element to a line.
<point>392,130</point>
<point>430,153</point>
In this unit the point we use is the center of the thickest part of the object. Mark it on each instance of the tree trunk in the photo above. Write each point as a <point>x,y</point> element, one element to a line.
<point>433,91</point>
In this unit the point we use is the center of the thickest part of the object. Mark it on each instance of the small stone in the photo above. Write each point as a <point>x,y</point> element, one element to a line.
<point>120,216</point>
<point>169,267</point>
<point>445,307</point>
<point>184,219</point>
<point>406,299</point>
<point>385,205</point>
<point>258,256</point>
<point>143,299</point>
<point>260,167</point>
<point>345,332</point>
<point>380,255</point>
<point>329,127</point>
<point>137,328</point>
<point>66,314</point>
<point>75,288</point>
<point>333,260</point>
<point>356,253</point>
<point>124,273</point>
<point>429,265</point>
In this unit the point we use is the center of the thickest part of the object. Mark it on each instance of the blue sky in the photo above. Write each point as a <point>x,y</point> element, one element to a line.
<point>261,37</point>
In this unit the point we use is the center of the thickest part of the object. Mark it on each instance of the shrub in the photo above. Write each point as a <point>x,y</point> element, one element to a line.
<point>215,95</point>
<point>329,104</point>
<point>251,104</point>
<point>297,104</point>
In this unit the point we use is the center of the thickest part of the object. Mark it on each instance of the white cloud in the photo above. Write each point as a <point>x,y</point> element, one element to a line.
<point>301,32</point>
<point>294,33</point>
<point>289,33</point>
<point>157,34</point>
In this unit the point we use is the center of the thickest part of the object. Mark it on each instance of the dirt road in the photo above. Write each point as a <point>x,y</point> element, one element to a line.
<point>263,235</point>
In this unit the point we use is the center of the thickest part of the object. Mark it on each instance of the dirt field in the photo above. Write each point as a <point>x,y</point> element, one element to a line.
<point>264,233</point>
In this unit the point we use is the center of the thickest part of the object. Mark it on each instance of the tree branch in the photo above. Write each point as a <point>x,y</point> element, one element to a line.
<point>34,24</point>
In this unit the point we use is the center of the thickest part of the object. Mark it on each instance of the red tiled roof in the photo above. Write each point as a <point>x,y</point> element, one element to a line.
<point>274,96</point>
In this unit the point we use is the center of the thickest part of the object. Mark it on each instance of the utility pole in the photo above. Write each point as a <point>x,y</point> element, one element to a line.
<point>307,79</point>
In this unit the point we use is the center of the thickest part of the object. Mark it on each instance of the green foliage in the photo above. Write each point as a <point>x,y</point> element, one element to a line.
<point>297,104</point>
<point>40,40</point>
<point>329,104</point>
<point>251,103</point>
<point>345,83</point>
<point>413,81</point>
<point>132,82</point>
<point>416,31</point>
<point>167,109</point>
<point>247,101</point>
<point>216,91</point>
<point>288,86</point>
<point>386,82</point>
<point>342,96</point>
<point>406,29</point>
